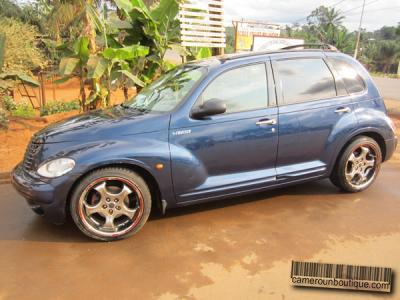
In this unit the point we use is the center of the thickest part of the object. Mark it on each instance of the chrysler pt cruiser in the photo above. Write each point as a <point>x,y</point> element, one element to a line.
<point>207,130</point>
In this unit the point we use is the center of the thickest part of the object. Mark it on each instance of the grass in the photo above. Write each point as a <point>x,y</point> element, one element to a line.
<point>23,110</point>
<point>58,107</point>
<point>380,74</point>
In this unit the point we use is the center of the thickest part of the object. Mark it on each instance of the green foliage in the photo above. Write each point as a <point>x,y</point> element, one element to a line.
<point>10,9</point>
<point>230,39</point>
<point>3,119</point>
<point>131,52</point>
<point>21,53</point>
<point>2,50</point>
<point>7,103</point>
<point>23,110</point>
<point>203,52</point>
<point>58,107</point>
<point>157,28</point>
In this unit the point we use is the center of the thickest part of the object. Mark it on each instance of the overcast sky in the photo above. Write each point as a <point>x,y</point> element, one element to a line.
<point>377,12</point>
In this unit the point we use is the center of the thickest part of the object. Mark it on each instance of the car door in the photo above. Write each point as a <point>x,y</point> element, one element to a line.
<point>315,112</point>
<point>229,153</point>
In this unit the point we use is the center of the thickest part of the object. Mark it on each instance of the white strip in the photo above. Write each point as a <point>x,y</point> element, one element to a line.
<point>186,6</point>
<point>194,44</point>
<point>205,2</point>
<point>202,33</point>
<point>200,14</point>
<point>202,39</point>
<point>199,21</point>
<point>199,27</point>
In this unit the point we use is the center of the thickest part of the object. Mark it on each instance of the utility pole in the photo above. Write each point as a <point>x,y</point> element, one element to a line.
<point>359,31</point>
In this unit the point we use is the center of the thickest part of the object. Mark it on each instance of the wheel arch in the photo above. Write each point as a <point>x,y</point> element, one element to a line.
<point>143,172</point>
<point>376,136</point>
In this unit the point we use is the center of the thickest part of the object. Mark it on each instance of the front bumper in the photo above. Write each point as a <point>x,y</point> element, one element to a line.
<point>47,197</point>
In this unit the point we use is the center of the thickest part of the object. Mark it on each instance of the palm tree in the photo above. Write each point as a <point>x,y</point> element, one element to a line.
<point>388,53</point>
<point>326,22</point>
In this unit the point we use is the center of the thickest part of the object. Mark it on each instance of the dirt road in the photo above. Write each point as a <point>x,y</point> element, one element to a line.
<point>236,249</point>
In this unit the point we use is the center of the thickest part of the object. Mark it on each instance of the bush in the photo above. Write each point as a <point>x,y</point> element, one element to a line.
<point>58,107</point>
<point>21,52</point>
<point>8,104</point>
<point>3,119</point>
<point>24,110</point>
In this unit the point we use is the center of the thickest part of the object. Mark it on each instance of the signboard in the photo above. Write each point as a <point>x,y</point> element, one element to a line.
<point>202,23</point>
<point>264,43</point>
<point>246,30</point>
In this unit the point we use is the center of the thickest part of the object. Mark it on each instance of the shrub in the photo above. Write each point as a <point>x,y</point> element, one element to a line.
<point>3,119</point>
<point>7,103</point>
<point>58,107</point>
<point>21,52</point>
<point>24,110</point>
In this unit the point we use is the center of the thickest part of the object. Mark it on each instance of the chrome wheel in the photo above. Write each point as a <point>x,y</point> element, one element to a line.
<point>110,206</point>
<point>362,165</point>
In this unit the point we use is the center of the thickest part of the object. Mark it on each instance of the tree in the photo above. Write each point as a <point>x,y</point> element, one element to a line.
<point>21,53</point>
<point>10,9</point>
<point>325,22</point>
<point>387,54</point>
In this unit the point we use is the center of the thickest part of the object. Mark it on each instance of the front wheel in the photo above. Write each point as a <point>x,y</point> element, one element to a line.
<point>358,166</point>
<point>110,204</point>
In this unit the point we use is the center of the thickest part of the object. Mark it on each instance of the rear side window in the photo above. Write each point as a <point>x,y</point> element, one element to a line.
<point>305,79</point>
<point>242,89</point>
<point>349,75</point>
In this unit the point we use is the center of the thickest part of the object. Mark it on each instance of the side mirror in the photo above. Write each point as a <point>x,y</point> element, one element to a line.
<point>209,108</point>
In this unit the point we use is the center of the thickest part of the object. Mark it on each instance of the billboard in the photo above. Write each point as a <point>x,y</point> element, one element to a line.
<point>246,30</point>
<point>263,43</point>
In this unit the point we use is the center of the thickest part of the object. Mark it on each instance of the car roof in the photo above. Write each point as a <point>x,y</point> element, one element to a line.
<point>215,61</point>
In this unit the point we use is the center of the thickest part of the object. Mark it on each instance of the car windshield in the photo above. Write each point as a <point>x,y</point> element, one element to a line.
<point>168,91</point>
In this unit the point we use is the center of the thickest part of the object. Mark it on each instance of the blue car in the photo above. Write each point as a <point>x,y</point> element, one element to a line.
<point>208,130</point>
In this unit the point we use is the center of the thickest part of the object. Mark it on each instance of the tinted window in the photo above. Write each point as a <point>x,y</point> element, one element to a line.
<point>352,80</point>
<point>305,79</point>
<point>241,89</point>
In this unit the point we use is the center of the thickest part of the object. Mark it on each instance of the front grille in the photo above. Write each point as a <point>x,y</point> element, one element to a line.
<point>34,148</point>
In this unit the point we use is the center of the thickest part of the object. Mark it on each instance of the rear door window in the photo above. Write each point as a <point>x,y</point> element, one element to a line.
<point>305,79</point>
<point>349,75</point>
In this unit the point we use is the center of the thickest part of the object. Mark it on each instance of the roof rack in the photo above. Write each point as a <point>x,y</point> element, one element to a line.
<point>323,47</point>
<point>319,45</point>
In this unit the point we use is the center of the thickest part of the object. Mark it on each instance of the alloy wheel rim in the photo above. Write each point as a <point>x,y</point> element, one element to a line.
<point>111,206</point>
<point>362,165</point>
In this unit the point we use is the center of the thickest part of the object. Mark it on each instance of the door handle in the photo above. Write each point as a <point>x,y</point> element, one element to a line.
<point>266,122</point>
<point>343,110</point>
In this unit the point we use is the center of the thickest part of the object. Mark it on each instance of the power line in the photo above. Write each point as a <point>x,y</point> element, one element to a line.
<point>332,5</point>
<point>366,4</point>
<point>337,3</point>
<point>343,12</point>
<point>383,8</point>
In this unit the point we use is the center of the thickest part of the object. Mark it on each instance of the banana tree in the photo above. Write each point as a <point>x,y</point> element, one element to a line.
<point>74,65</point>
<point>117,67</point>
<point>156,28</point>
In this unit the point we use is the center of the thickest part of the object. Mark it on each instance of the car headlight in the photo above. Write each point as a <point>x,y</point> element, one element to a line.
<point>56,167</point>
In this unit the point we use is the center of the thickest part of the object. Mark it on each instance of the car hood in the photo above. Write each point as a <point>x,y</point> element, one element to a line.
<point>103,125</point>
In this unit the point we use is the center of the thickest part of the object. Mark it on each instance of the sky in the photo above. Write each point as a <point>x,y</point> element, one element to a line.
<point>377,12</point>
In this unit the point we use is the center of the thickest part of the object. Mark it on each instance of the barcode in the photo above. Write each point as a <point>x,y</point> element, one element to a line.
<point>339,271</point>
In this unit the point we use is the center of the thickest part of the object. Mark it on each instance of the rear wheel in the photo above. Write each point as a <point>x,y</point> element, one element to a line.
<point>110,204</point>
<point>358,166</point>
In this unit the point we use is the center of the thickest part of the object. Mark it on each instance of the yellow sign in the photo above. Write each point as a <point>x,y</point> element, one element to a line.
<point>246,30</point>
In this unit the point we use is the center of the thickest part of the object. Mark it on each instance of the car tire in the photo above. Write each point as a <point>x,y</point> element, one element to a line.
<point>110,204</point>
<point>358,166</point>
